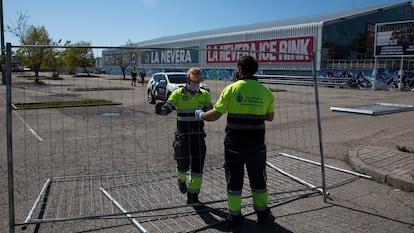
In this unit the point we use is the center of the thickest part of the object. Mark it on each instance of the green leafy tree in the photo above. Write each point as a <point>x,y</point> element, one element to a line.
<point>54,59</point>
<point>37,40</point>
<point>81,55</point>
<point>32,56</point>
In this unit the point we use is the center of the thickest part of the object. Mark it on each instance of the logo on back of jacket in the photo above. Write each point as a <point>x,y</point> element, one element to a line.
<point>239,98</point>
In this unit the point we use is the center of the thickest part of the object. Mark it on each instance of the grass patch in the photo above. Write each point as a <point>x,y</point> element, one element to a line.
<point>22,83</point>
<point>405,149</point>
<point>63,104</point>
<point>100,88</point>
<point>43,78</point>
<point>85,76</point>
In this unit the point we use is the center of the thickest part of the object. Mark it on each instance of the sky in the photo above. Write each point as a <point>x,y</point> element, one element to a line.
<point>115,23</point>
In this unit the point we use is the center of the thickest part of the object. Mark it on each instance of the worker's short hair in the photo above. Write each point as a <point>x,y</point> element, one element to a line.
<point>248,64</point>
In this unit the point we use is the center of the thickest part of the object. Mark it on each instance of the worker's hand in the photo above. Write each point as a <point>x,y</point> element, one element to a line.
<point>159,109</point>
<point>198,114</point>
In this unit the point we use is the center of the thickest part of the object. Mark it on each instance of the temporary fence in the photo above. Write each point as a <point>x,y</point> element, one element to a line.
<point>109,167</point>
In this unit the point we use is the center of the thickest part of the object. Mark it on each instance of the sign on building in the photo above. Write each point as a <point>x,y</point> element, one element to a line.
<point>298,49</point>
<point>394,39</point>
<point>170,56</point>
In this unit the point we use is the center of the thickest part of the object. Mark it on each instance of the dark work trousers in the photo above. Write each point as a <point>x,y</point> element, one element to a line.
<point>190,151</point>
<point>255,161</point>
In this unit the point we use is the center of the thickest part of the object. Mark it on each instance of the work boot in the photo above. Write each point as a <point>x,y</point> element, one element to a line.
<point>192,198</point>
<point>182,186</point>
<point>265,216</point>
<point>234,222</point>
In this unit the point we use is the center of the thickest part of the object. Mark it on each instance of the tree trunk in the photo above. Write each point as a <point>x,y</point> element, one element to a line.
<point>86,71</point>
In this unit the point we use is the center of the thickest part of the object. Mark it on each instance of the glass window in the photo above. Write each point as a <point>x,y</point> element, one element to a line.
<point>177,78</point>
<point>350,39</point>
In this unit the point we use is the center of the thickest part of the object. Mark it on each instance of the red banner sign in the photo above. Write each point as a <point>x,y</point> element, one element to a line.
<point>296,49</point>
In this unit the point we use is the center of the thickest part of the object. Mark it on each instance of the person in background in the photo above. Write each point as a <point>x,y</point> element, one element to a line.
<point>134,74</point>
<point>248,105</point>
<point>189,143</point>
<point>142,75</point>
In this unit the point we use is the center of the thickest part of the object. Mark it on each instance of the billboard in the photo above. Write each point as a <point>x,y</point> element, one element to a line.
<point>298,49</point>
<point>394,39</point>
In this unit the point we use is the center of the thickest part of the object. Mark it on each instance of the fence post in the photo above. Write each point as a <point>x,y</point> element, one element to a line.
<point>10,178</point>
<point>315,84</point>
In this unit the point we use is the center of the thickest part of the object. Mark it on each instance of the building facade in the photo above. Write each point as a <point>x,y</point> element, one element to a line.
<point>336,41</point>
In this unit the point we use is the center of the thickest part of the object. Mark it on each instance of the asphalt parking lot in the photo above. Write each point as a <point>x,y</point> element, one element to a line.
<point>362,205</point>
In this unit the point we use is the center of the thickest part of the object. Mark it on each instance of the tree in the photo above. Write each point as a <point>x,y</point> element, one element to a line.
<point>125,58</point>
<point>81,55</point>
<point>32,56</point>
<point>37,39</point>
<point>54,59</point>
<point>20,30</point>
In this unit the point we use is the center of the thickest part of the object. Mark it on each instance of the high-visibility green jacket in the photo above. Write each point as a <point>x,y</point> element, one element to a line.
<point>247,102</point>
<point>134,73</point>
<point>185,104</point>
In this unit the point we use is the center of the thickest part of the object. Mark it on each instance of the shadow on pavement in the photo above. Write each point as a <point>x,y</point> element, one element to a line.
<point>209,216</point>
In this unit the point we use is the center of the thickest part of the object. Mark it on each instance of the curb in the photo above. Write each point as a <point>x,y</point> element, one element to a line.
<point>377,174</point>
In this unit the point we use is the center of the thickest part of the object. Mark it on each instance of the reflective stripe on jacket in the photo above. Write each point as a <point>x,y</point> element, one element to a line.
<point>185,105</point>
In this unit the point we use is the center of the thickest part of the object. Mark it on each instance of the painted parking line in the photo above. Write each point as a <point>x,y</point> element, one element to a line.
<point>40,139</point>
<point>37,136</point>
